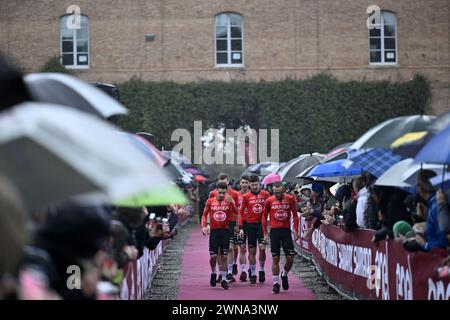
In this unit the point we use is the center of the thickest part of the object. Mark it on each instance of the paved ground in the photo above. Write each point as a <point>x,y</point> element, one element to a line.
<point>166,282</point>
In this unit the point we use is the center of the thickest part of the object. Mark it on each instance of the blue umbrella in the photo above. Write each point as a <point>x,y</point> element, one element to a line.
<point>437,150</point>
<point>443,180</point>
<point>335,169</point>
<point>375,160</point>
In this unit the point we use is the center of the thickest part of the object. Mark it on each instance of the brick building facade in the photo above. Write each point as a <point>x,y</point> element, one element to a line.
<point>175,39</point>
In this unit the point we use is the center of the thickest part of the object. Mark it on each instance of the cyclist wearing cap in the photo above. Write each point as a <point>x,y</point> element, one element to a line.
<point>279,208</point>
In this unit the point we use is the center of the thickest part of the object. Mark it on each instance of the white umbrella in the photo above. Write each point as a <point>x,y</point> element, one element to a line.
<point>410,175</point>
<point>52,152</point>
<point>70,91</point>
<point>393,177</point>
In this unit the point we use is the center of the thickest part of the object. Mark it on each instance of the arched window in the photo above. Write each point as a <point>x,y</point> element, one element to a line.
<point>383,40</point>
<point>75,43</point>
<point>229,40</point>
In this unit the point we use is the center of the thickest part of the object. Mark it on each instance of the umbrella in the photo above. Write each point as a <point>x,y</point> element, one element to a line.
<point>178,158</point>
<point>199,178</point>
<point>375,160</point>
<point>170,194</point>
<point>441,179</point>
<point>193,171</point>
<point>334,169</point>
<point>186,177</point>
<point>410,144</point>
<point>147,136</point>
<point>410,175</point>
<point>385,133</point>
<point>271,178</point>
<point>271,168</point>
<point>52,152</point>
<point>304,173</point>
<point>336,154</point>
<point>262,169</point>
<point>172,169</point>
<point>440,124</point>
<point>150,150</point>
<point>394,176</point>
<point>437,150</point>
<point>409,137</point>
<point>12,87</point>
<point>291,169</point>
<point>67,90</point>
<point>108,88</point>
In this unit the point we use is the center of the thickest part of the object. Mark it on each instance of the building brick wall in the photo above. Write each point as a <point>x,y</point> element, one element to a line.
<point>282,38</point>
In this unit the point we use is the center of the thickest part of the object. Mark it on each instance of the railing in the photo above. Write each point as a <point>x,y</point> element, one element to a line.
<point>138,275</point>
<point>357,269</point>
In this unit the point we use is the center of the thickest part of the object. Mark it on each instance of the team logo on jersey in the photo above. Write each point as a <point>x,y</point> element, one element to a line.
<point>220,216</point>
<point>281,215</point>
<point>257,208</point>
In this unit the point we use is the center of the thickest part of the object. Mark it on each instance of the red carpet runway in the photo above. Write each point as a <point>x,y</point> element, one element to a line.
<point>195,275</point>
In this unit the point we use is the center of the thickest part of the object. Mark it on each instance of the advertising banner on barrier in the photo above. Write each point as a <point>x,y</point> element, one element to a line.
<point>354,264</point>
<point>138,274</point>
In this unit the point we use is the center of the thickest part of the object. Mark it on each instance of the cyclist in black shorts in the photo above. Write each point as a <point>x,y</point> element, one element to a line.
<point>220,212</point>
<point>280,208</point>
<point>244,183</point>
<point>253,202</point>
<point>232,196</point>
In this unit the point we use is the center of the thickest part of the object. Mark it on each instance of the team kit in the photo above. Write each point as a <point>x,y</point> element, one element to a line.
<point>237,220</point>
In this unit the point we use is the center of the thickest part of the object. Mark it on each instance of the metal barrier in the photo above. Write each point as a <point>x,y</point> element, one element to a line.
<point>357,269</point>
<point>138,275</point>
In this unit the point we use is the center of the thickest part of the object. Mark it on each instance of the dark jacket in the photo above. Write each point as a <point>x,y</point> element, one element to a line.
<point>371,215</point>
<point>349,215</point>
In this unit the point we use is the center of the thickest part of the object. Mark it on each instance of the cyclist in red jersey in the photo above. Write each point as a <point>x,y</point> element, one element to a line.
<point>219,210</point>
<point>244,183</point>
<point>232,196</point>
<point>279,208</point>
<point>253,202</point>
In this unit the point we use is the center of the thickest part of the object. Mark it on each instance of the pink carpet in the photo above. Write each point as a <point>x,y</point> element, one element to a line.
<point>194,282</point>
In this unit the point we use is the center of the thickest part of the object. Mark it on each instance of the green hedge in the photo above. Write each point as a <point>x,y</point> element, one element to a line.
<point>315,114</point>
<point>54,65</point>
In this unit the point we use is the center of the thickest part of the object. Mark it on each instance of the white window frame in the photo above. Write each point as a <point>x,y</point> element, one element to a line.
<point>229,51</point>
<point>382,38</point>
<point>75,52</point>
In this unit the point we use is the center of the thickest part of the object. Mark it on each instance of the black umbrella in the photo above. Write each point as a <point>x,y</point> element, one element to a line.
<point>12,88</point>
<point>288,172</point>
<point>385,133</point>
<point>410,149</point>
<point>67,90</point>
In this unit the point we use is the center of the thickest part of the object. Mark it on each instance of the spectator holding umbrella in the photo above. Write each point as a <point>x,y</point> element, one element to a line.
<point>434,237</point>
